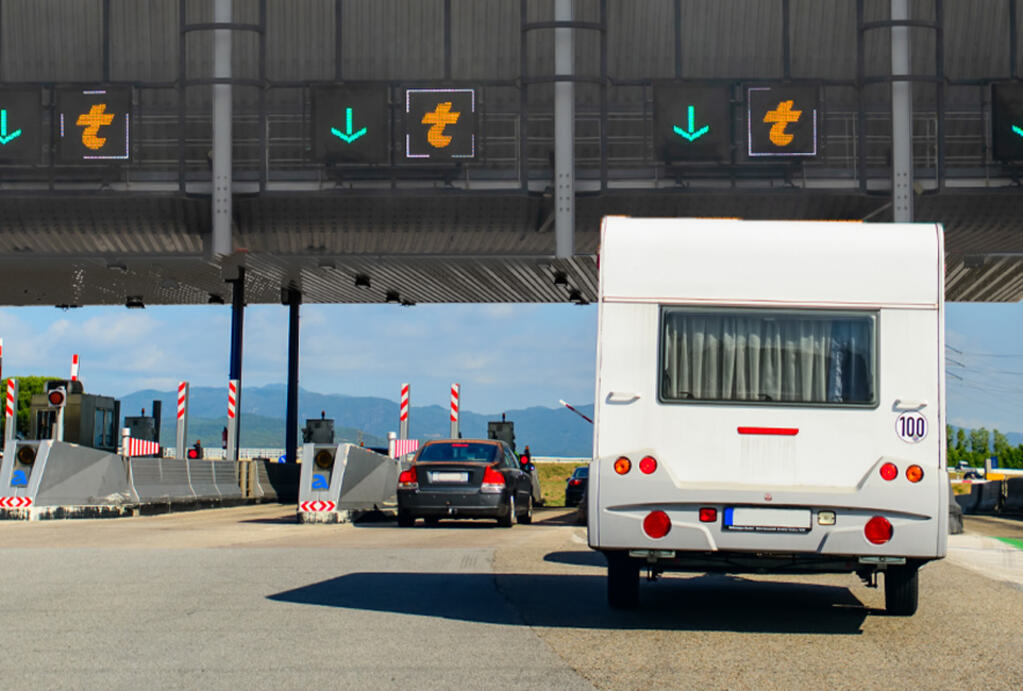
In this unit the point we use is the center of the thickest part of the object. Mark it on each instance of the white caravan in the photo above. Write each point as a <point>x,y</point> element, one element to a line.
<point>770,399</point>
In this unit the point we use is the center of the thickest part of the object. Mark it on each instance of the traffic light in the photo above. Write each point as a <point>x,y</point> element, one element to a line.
<point>57,397</point>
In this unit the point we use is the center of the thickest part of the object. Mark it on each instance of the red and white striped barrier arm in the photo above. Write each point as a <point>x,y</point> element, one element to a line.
<point>141,447</point>
<point>404,446</point>
<point>182,392</point>
<point>455,394</point>
<point>74,367</point>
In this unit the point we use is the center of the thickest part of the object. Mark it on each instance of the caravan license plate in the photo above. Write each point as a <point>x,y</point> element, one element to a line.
<point>751,518</point>
<point>449,477</point>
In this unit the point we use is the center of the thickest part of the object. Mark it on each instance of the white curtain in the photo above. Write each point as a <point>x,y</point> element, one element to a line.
<point>757,357</point>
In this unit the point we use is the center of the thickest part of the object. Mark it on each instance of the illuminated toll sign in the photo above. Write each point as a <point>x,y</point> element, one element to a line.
<point>1007,121</point>
<point>94,125</point>
<point>692,123</point>
<point>351,124</point>
<point>440,124</point>
<point>782,120</point>
<point>20,125</point>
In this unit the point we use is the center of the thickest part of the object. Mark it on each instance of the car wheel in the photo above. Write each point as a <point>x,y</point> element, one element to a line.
<point>506,518</point>
<point>622,581</point>
<point>901,590</point>
<point>527,516</point>
<point>431,520</point>
<point>405,519</point>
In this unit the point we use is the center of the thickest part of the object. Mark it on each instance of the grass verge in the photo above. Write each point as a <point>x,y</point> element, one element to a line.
<point>553,477</point>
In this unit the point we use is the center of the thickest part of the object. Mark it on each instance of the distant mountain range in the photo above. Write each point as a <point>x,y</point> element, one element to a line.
<point>548,431</point>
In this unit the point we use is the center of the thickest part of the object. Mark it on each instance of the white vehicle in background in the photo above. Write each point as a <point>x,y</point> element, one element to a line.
<point>770,399</point>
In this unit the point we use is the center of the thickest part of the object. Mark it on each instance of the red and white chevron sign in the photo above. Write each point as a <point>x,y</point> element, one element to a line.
<point>404,403</point>
<point>15,502</point>
<point>232,398</point>
<point>455,392</point>
<point>317,506</point>
<point>9,408</point>
<point>74,367</point>
<point>404,446</point>
<point>141,447</point>
<point>182,395</point>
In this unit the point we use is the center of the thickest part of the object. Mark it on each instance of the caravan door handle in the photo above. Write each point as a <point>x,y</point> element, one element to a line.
<point>908,404</point>
<point>622,396</point>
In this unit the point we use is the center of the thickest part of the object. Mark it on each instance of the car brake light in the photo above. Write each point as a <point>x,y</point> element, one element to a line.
<point>493,481</point>
<point>889,471</point>
<point>575,482</point>
<point>878,530</point>
<point>656,524</point>
<point>408,479</point>
<point>914,473</point>
<point>648,465</point>
<point>708,515</point>
<point>623,465</point>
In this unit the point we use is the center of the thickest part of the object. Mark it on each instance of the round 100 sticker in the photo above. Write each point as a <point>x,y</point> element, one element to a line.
<point>911,427</point>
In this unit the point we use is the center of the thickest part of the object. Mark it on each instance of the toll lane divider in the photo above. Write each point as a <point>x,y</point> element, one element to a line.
<point>1013,496</point>
<point>339,482</point>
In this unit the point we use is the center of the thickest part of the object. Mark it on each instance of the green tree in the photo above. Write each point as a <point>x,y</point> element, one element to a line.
<point>980,445</point>
<point>961,443</point>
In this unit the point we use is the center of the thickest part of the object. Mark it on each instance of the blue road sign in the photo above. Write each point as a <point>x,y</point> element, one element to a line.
<point>19,479</point>
<point>320,481</point>
<point>283,458</point>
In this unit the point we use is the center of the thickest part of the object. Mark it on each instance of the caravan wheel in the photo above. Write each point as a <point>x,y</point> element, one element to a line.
<point>901,590</point>
<point>622,581</point>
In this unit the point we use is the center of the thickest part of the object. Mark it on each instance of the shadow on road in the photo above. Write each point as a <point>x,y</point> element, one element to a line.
<point>701,603</point>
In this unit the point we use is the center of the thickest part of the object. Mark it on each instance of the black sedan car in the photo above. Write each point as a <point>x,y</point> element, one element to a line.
<point>465,478</point>
<point>575,487</point>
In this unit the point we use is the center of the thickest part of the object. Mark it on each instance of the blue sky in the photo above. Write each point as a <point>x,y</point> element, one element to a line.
<point>506,356</point>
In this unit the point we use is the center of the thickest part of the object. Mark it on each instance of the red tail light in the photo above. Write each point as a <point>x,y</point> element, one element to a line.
<point>656,524</point>
<point>878,530</point>
<point>408,479</point>
<point>575,482</point>
<point>889,471</point>
<point>493,481</point>
<point>648,464</point>
<point>708,515</point>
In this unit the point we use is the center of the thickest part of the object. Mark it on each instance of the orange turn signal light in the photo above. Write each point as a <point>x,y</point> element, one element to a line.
<point>914,473</point>
<point>623,465</point>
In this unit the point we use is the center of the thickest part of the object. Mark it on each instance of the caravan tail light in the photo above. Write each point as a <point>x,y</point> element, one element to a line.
<point>889,471</point>
<point>623,465</point>
<point>408,479</point>
<point>656,524</point>
<point>914,473</point>
<point>708,514</point>
<point>878,530</point>
<point>648,465</point>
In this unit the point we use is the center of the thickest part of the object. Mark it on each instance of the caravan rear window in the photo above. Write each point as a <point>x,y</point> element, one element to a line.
<point>768,356</point>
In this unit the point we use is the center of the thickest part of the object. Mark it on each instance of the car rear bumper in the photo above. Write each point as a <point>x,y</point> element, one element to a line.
<point>573,496</point>
<point>452,504</point>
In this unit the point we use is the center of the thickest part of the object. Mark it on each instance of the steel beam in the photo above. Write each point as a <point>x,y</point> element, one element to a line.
<point>564,134</point>
<point>902,118</point>
<point>235,366</point>
<point>222,114</point>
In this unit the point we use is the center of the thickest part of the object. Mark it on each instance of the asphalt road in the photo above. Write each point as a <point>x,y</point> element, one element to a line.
<point>245,597</point>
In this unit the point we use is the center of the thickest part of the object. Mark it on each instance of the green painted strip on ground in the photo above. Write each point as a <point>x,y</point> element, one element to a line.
<point>1014,541</point>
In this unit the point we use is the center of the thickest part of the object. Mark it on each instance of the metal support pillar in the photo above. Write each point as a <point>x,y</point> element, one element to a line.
<point>294,299</point>
<point>235,367</point>
<point>181,439</point>
<point>222,113</point>
<point>902,118</point>
<point>564,133</point>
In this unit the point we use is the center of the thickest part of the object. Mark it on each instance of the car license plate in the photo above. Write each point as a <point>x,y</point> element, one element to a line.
<point>766,520</point>
<point>439,476</point>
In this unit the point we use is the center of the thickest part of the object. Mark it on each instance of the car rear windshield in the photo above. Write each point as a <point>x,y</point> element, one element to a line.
<point>459,451</point>
<point>768,356</point>
<point>582,471</point>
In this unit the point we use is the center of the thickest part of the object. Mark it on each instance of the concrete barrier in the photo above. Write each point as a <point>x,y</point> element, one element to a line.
<point>225,477</point>
<point>990,496</point>
<point>161,483</point>
<point>969,502</point>
<point>355,479</point>
<point>200,476</point>
<point>955,513</point>
<point>274,481</point>
<point>1013,496</point>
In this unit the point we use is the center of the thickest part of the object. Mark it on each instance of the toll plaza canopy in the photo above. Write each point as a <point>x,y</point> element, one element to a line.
<point>466,150</point>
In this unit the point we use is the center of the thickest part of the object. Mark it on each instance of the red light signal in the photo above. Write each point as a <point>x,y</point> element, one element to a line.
<point>57,397</point>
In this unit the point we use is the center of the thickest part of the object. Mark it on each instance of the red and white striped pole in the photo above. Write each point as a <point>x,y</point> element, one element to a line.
<point>74,368</point>
<point>403,421</point>
<point>456,394</point>
<point>233,397</point>
<point>11,415</point>
<point>182,436</point>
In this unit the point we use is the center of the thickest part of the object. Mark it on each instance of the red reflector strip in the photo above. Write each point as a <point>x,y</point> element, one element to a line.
<point>777,431</point>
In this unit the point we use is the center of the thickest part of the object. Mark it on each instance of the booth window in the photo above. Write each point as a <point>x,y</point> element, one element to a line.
<point>737,355</point>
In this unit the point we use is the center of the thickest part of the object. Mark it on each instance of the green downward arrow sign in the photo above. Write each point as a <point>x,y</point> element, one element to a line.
<point>1018,130</point>
<point>692,133</point>
<point>4,137</point>
<point>347,136</point>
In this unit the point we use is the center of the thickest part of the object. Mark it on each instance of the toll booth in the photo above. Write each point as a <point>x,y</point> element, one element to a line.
<point>503,430</point>
<point>89,420</point>
<point>318,431</point>
<point>145,427</point>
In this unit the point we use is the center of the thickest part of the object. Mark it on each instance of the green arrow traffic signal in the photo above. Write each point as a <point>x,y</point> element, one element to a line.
<point>692,133</point>
<point>4,137</point>
<point>347,136</point>
<point>1015,128</point>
